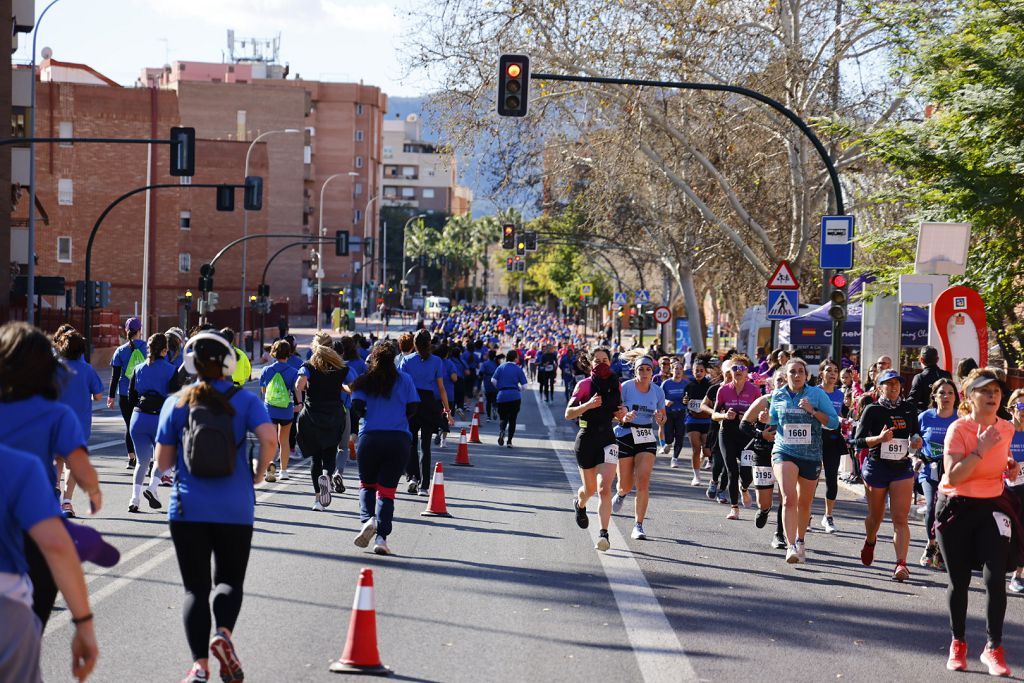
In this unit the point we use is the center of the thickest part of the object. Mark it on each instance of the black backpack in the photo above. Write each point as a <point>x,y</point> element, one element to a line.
<point>209,440</point>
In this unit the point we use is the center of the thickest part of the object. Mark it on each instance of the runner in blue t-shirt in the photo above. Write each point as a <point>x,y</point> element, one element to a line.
<point>508,380</point>
<point>80,385</point>
<point>151,383</point>
<point>674,388</point>
<point>427,373</point>
<point>122,365</point>
<point>934,423</point>
<point>1016,407</point>
<point>279,400</point>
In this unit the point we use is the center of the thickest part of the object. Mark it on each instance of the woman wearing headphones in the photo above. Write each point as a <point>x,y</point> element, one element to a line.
<point>212,506</point>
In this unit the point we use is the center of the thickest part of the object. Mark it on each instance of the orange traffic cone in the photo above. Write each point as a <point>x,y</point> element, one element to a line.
<point>361,655</point>
<point>480,406</point>
<point>474,429</point>
<point>351,449</point>
<point>435,504</point>
<point>462,454</point>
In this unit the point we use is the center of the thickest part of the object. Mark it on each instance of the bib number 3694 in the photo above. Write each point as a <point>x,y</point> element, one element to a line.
<point>797,434</point>
<point>642,435</point>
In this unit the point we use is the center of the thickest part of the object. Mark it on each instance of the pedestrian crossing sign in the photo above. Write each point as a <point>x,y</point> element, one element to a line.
<point>642,296</point>
<point>783,304</point>
<point>586,289</point>
<point>621,298</point>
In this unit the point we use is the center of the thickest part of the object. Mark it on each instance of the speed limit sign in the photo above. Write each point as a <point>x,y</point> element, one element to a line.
<point>662,315</point>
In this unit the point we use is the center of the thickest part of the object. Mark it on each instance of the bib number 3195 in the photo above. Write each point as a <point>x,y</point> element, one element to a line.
<point>797,434</point>
<point>764,476</point>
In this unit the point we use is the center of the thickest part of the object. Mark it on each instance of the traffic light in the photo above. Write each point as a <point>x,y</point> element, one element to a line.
<point>206,272</point>
<point>104,294</point>
<point>252,196</point>
<point>225,198</point>
<point>510,264</point>
<point>508,237</point>
<point>520,246</point>
<point>530,240</point>
<point>263,290</point>
<point>520,265</point>
<point>80,290</point>
<point>186,301</point>
<point>183,151</point>
<point>341,243</point>
<point>513,85</point>
<point>837,311</point>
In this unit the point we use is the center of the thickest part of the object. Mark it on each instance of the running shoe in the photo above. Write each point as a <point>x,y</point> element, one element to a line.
<point>413,486</point>
<point>602,541</point>
<point>509,444</point>
<point>151,498</point>
<point>324,496</point>
<point>938,563</point>
<point>706,465</point>
<point>224,651</point>
<point>791,556</point>
<point>723,498</point>
<point>995,660</point>
<point>437,439</point>
<point>1016,585</point>
<point>957,656</point>
<point>617,502</point>
<point>283,475</point>
<point>339,483</point>
<point>271,475</point>
<point>734,513</point>
<point>778,541</point>
<point>673,463</point>
<point>501,438</point>
<point>712,491</point>
<point>196,674</point>
<point>828,524</point>
<point>762,518</point>
<point>380,546</point>
<point>133,506</point>
<point>928,556</point>
<point>67,509</point>
<point>423,492</point>
<point>366,533</point>
<point>900,573</point>
<point>801,552</point>
<point>638,532</point>
<point>317,507</point>
<point>695,481</point>
<point>444,440</point>
<point>867,554</point>
<point>581,514</point>
<point>166,480</point>
<point>131,464</point>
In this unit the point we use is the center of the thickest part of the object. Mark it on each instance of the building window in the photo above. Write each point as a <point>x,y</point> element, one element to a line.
<point>185,180</point>
<point>66,131</point>
<point>63,250</point>
<point>19,118</point>
<point>390,191</point>
<point>357,216</point>
<point>409,171</point>
<point>359,110</point>
<point>184,262</point>
<point>65,192</point>
<point>358,189</point>
<point>428,193</point>
<point>185,220</point>
<point>389,151</point>
<point>307,154</point>
<point>409,192</point>
<point>359,136</point>
<point>359,162</point>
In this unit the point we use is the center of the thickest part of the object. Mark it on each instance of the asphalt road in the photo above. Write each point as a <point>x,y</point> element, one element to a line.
<point>509,589</point>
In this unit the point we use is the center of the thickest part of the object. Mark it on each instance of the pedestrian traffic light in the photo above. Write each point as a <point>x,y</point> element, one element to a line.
<point>530,240</point>
<point>520,247</point>
<point>837,310</point>
<point>252,197</point>
<point>225,198</point>
<point>341,243</point>
<point>510,264</point>
<point>520,265</point>
<point>508,236</point>
<point>513,85</point>
<point>104,294</point>
<point>183,151</point>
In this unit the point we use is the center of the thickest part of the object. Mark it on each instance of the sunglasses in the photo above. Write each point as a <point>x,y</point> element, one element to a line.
<point>740,368</point>
<point>1019,406</point>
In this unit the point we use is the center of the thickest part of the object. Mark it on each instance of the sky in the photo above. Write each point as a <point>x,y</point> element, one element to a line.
<point>331,40</point>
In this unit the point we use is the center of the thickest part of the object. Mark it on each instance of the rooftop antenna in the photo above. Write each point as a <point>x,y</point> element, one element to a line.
<point>266,50</point>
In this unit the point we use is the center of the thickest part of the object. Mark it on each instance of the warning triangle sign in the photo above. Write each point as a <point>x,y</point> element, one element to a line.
<point>783,278</point>
<point>782,308</point>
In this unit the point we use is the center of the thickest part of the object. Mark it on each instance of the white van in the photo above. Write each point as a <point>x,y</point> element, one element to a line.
<point>437,305</point>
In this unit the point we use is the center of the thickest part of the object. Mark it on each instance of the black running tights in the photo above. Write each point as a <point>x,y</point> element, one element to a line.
<point>508,412</point>
<point>126,414</point>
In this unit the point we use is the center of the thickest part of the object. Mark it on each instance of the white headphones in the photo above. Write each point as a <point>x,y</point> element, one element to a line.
<point>189,358</point>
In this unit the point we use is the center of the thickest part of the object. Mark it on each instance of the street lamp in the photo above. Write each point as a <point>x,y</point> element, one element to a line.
<point>245,230</point>
<point>366,231</point>
<point>405,234</point>
<point>320,246</point>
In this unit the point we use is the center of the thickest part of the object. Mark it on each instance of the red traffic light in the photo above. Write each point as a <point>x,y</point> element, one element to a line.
<point>838,280</point>
<point>514,70</point>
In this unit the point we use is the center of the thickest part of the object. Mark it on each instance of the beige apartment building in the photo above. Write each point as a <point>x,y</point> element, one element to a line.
<point>419,174</point>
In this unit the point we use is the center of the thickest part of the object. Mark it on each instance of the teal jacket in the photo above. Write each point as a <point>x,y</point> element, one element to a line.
<point>785,410</point>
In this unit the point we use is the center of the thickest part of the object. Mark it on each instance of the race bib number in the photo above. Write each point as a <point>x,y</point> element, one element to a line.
<point>764,476</point>
<point>1020,474</point>
<point>694,405</point>
<point>1003,524</point>
<point>797,434</point>
<point>897,449</point>
<point>642,435</point>
<point>611,454</point>
<point>747,458</point>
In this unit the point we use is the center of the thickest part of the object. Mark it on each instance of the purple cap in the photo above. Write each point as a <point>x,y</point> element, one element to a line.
<point>132,325</point>
<point>886,375</point>
<point>90,545</point>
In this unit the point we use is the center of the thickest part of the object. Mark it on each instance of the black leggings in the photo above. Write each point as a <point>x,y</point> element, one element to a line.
<point>229,544</point>
<point>833,448</point>
<point>547,384</point>
<point>508,412</point>
<point>490,403</point>
<point>972,538</point>
<point>126,413</point>
<point>719,473</point>
<point>731,442</point>
<point>44,588</point>
<point>419,461</point>
<point>325,461</point>
<point>675,431</point>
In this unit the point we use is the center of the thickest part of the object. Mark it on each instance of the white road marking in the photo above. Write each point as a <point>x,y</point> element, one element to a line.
<point>105,444</point>
<point>658,651</point>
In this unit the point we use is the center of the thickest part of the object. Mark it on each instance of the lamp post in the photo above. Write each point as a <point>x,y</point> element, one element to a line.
<point>245,230</point>
<point>30,286</point>
<point>320,249</point>
<point>405,235</point>
<point>366,231</point>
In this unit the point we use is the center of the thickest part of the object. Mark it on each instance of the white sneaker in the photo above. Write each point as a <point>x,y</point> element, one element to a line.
<point>380,546</point>
<point>664,450</point>
<point>638,532</point>
<point>317,507</point>
<point>801,552</point>
<point>617,502</point>
<point>673,463</point>
<point>283,476</point>
<point>444,440</point>
<point>828,524</point>
<point>791,555</point>
<point>367,532</point>
<point>695,481</point>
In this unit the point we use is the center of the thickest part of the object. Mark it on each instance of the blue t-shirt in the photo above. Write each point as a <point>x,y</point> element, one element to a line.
<point>1017,451</point>
<point>25,500</point>
<point>176,360</point>
<point>78,383</point>
<point>471,360</point>
<point>155,376</point>
<point>487,369</point>
<point>387,414</point>
<point>227,500</point>
<point>507,380</point>
<point>358,365</point>
<point>42,427</point>
<point>294,361</point>
<point>120,360</point>
<point>289,375</point>
<point>676,392</point>
<point>364,353</point>
<point>645,405</point>
<point>933,433</point>
<point>449,383</point>
<point>424,373</point>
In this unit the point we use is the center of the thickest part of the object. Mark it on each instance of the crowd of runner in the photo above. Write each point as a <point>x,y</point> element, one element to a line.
<point>753,434</point>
